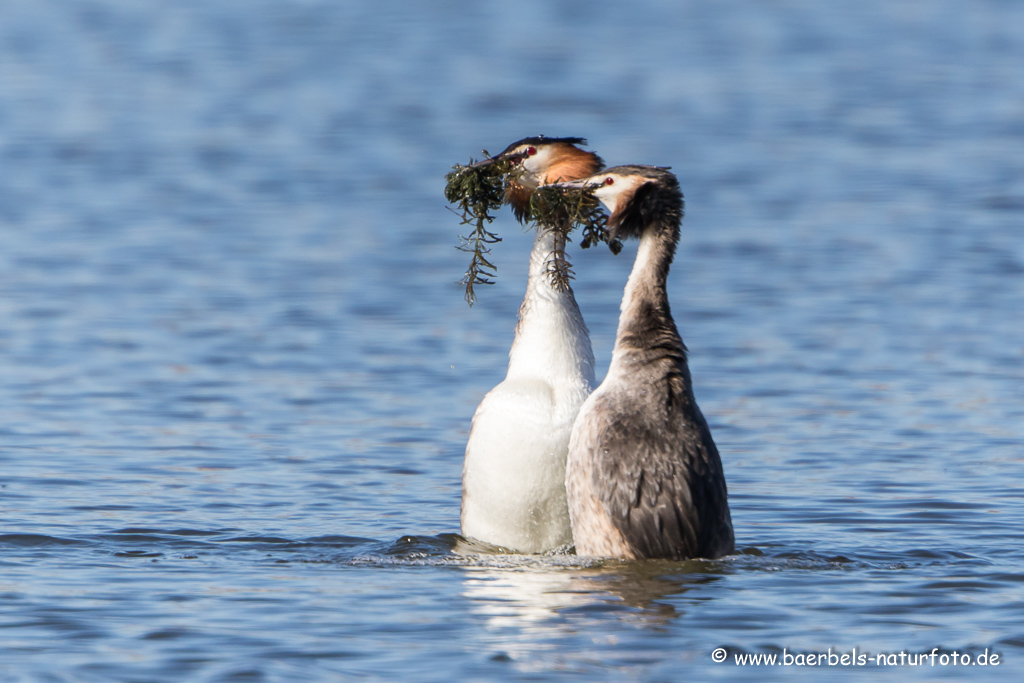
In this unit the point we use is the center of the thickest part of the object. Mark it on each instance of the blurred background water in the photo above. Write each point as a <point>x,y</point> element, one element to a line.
<point>236,377</point>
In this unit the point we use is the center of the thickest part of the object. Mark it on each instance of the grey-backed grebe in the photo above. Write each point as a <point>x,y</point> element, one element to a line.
<point>644,477</point>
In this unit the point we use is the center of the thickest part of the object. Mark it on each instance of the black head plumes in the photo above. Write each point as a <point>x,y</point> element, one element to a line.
<point>541,140</point>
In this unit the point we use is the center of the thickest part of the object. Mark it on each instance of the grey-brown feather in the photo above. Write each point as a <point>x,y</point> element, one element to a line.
<point>658,471</point>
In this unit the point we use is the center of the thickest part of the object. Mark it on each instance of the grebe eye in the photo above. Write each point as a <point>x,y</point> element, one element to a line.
<point>530,151</point>
<point>609,181</point>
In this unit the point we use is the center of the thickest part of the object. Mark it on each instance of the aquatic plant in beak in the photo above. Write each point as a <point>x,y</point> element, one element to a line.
<point>477,190</point>
<point>480,188</point>
<point>563,207</point>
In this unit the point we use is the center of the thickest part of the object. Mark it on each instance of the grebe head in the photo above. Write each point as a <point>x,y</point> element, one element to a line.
<point>543,161</point>
<point>635,196</point>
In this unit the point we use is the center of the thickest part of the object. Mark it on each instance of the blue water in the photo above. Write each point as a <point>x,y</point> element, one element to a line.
<point>236,377</point>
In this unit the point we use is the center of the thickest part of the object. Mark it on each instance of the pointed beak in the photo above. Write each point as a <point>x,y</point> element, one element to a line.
<point>485,162</point>
<point>501,157</point>
<point>579,184</point>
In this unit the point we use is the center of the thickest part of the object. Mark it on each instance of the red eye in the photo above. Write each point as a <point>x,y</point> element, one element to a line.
<point>530,151</point>
<point>609,181</point>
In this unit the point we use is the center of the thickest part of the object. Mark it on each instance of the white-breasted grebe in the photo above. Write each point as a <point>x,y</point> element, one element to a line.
<point>513,479</point>
<point>643,476</point>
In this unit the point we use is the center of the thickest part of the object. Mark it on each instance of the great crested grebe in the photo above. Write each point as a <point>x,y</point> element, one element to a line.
<point>643,476</point>
<point>513,479</point>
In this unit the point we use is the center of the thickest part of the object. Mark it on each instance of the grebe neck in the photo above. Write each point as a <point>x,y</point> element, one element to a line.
<point>646,327</point>
<point>552,341</point>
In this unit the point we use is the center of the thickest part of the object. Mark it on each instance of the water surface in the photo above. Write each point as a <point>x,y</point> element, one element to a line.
<point>236,378</point>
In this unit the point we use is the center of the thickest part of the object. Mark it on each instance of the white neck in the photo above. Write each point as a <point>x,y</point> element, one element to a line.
<point>552,342</point>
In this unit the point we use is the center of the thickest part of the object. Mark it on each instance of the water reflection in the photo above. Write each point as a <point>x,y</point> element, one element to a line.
<point>526,610</point>
<point>644,586</point>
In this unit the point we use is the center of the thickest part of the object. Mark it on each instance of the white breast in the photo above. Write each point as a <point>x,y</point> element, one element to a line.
<point>513,486</point>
